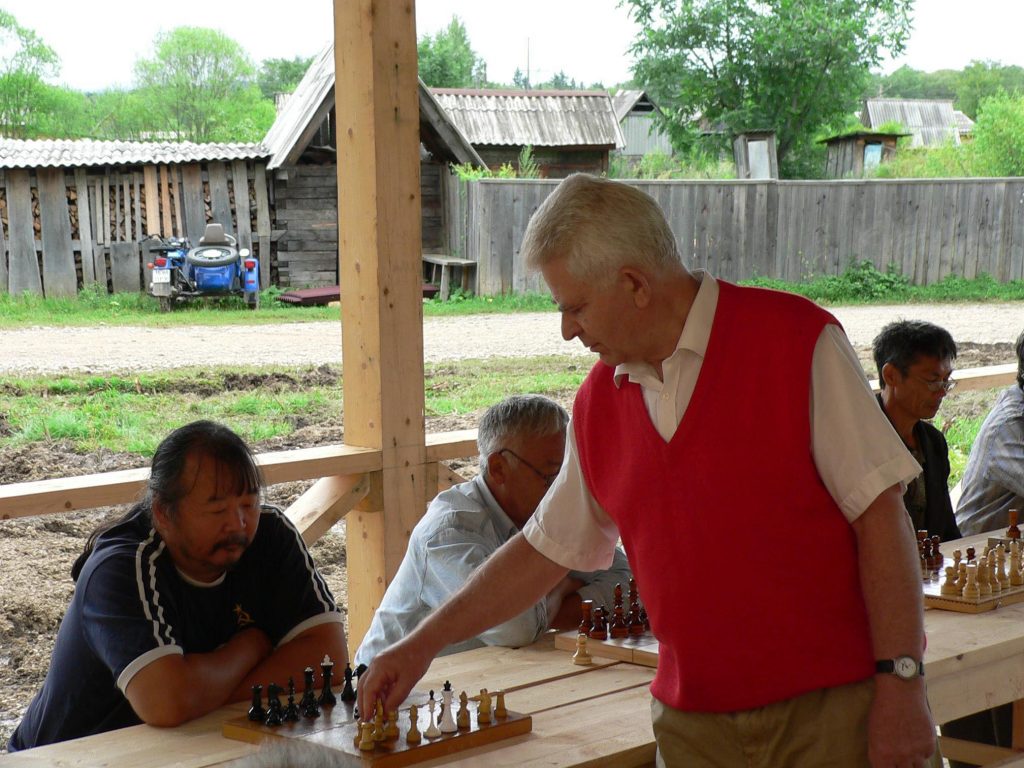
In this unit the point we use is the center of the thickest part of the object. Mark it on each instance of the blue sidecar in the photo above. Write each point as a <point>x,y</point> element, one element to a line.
<point>215,267</point>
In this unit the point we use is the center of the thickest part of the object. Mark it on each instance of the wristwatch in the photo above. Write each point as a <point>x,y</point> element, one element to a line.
<point>904,667</point>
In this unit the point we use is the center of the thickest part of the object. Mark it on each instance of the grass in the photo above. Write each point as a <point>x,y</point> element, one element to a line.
<point>92,307</point>
<point>860,283</point>
<point>133,414</point>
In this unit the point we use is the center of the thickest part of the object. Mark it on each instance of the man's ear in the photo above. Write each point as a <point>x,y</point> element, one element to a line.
<point>638,284</point>
<point>159,513</point>
<point>497,467</point>
<point>889,375</point>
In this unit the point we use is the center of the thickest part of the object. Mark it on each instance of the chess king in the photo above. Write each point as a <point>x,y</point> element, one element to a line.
<point>155,631</point>
<point>717,414</point>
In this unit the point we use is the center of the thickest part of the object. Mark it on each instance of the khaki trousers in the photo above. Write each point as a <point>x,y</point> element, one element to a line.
<point>821,729</point>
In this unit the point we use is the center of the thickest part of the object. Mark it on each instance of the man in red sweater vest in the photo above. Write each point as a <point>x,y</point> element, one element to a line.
<point>729,437</point>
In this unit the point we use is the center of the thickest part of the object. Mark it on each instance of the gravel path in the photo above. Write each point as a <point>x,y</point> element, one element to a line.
<point>115,348</point>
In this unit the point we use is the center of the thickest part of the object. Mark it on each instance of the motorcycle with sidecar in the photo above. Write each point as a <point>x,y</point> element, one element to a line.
<point>215,267</point>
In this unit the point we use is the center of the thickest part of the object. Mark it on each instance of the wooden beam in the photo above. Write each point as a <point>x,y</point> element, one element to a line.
<point>325,503</point>
<point>983,377</point>
<point>974,752</point>
<point>379,243</point>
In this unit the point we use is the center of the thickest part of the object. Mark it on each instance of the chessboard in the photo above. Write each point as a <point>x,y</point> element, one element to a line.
<point>978,582</point>
<point>336,729</point>
<point>639,649</point>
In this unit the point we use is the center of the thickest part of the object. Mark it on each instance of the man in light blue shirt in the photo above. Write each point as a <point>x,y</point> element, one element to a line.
<point>522,443</point>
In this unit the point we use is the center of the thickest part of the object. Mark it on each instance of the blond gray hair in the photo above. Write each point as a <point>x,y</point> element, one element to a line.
<point>597,226</point>
<point>533,415</point>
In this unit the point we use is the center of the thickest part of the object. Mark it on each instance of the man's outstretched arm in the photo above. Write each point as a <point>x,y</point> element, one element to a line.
<point>514,578</point>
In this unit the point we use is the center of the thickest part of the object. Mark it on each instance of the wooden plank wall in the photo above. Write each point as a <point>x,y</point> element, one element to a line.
<point>792,230</point>
<point>58,226</point>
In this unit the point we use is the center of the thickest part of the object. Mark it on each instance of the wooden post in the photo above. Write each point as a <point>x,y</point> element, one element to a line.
<point>379,268</point>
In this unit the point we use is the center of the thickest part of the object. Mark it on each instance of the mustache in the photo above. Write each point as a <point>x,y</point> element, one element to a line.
<point>236,540</point>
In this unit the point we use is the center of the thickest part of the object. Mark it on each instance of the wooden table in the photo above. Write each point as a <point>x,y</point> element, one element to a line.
<point>582,716</point>
<point>445,263</point>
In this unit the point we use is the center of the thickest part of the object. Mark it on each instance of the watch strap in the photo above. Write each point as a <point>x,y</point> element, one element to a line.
<point>888,667</point>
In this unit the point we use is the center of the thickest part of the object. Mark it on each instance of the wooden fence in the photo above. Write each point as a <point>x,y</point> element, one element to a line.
<point>63,229</point>
<point>785,229</point>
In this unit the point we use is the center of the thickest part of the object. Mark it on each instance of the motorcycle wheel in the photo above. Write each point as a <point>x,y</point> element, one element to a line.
<point>166,305</point>
<point>252,299</point>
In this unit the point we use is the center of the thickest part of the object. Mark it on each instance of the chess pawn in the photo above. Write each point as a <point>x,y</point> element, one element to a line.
<point>950,586</point>
<point>366,740</point>
<point>432,731</point>
<point>327,697</point>
<point>462,720</point>
<point>600,630</point>
<point>971,590</point>
<point>970,555</point>
<point>1016,579</point>
<point>499,710</point>
<point>256,712</point>
<point>984,588</point>
<point>587,607</point>
<point>618,595</point>
<point>274,712</point>
<point>308,703</point>
<point>348,693</point>
<point>447,718</point>
<point>483,712</point>
<point>391,729</point>
<point>926,557</point>
<point>1013,532</point>
<point>582,656</point>
<point>957,557</point>
<point>413,736</point>
<point>993,576</point>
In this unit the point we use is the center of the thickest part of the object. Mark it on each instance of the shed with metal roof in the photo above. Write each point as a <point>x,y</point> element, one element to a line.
<point>930,122</point>
<point>636,112</point>
<point>568,131</point>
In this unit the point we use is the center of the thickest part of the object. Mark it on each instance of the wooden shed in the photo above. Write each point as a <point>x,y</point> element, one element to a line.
<point>636,112</point>
<point>930,122</point>
<point>852,154</point>
<point>569,131</point>
<point>755,155</point>
<point>302,144</point>
<point>73,212</point>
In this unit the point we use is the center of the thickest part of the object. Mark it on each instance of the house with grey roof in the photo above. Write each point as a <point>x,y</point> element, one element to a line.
<point>568,131</point>
<point>636,111</point>
<point>930,122</point>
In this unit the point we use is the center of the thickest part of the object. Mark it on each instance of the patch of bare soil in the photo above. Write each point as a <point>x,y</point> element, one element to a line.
<point>36,553</point>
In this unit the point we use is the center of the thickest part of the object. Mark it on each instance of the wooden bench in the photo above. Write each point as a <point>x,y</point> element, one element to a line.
<point>445,263</point>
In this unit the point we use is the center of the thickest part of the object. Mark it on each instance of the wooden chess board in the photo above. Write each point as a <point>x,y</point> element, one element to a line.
<point>637,649</point>
<point>337,730</point>
<point>933,598</point>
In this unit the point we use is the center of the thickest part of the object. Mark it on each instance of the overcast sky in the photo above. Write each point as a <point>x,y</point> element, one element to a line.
<point>98,41</point>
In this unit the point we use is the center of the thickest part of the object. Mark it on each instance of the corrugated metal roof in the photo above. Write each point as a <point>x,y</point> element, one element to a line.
<point>623,101</point>
<point>307,101</point>
<point>930,122</point>
<point>64,153</point>
<point>964,124</point>
<point>535,118</point>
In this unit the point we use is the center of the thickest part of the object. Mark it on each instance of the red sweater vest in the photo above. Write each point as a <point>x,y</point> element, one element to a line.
<point>747,567</point>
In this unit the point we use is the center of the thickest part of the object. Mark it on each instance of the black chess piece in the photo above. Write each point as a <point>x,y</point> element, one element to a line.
<point>308,703</point>
<point>348,693</point>
<point>291,712</point>
<point>256,711</point>
<point>327,697</point>
<point>274,711</point>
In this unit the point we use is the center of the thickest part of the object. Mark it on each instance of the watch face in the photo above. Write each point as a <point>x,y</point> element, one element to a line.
<point>906,667</point>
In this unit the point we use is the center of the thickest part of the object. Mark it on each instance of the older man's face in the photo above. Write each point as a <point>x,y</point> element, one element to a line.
<point>602,318</point>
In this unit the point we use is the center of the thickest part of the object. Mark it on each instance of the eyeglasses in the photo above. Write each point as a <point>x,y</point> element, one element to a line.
<point>545,478</point>
<point>947,385</point>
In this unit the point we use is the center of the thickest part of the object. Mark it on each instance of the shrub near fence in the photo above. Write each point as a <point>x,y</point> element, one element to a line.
<point>789,230</point>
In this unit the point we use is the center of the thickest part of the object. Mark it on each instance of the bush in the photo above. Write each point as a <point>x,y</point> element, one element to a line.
<point>860,283</point>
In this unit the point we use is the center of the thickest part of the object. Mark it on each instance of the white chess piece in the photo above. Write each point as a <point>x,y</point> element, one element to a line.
<point>432,731</point>
<point>447,719</point>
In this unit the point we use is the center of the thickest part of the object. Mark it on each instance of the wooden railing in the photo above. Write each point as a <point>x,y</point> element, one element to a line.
<point>341,471</point>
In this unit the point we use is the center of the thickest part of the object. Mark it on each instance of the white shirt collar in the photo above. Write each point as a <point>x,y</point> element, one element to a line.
<point>694,337</point>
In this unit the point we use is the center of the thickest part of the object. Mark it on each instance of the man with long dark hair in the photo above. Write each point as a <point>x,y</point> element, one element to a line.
<point>196,594</point>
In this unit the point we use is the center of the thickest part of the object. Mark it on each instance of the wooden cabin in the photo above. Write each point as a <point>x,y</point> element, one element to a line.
<point>853,154</point>
<point>568,131</point>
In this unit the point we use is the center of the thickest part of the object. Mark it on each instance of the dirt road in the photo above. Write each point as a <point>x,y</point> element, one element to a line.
<point>135,349</point>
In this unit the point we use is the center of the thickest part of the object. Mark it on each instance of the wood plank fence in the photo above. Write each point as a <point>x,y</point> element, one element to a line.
<point>792,230</point>
<point>62,229</point>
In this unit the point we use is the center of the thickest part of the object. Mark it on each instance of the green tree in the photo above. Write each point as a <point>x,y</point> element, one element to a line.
<point>199,85</point>
<point>785,65</point>
<point>983,79</point>
<point>998,144</point>
<point>447,60</point>
<point>281,75</point>
<point>25,62</point>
